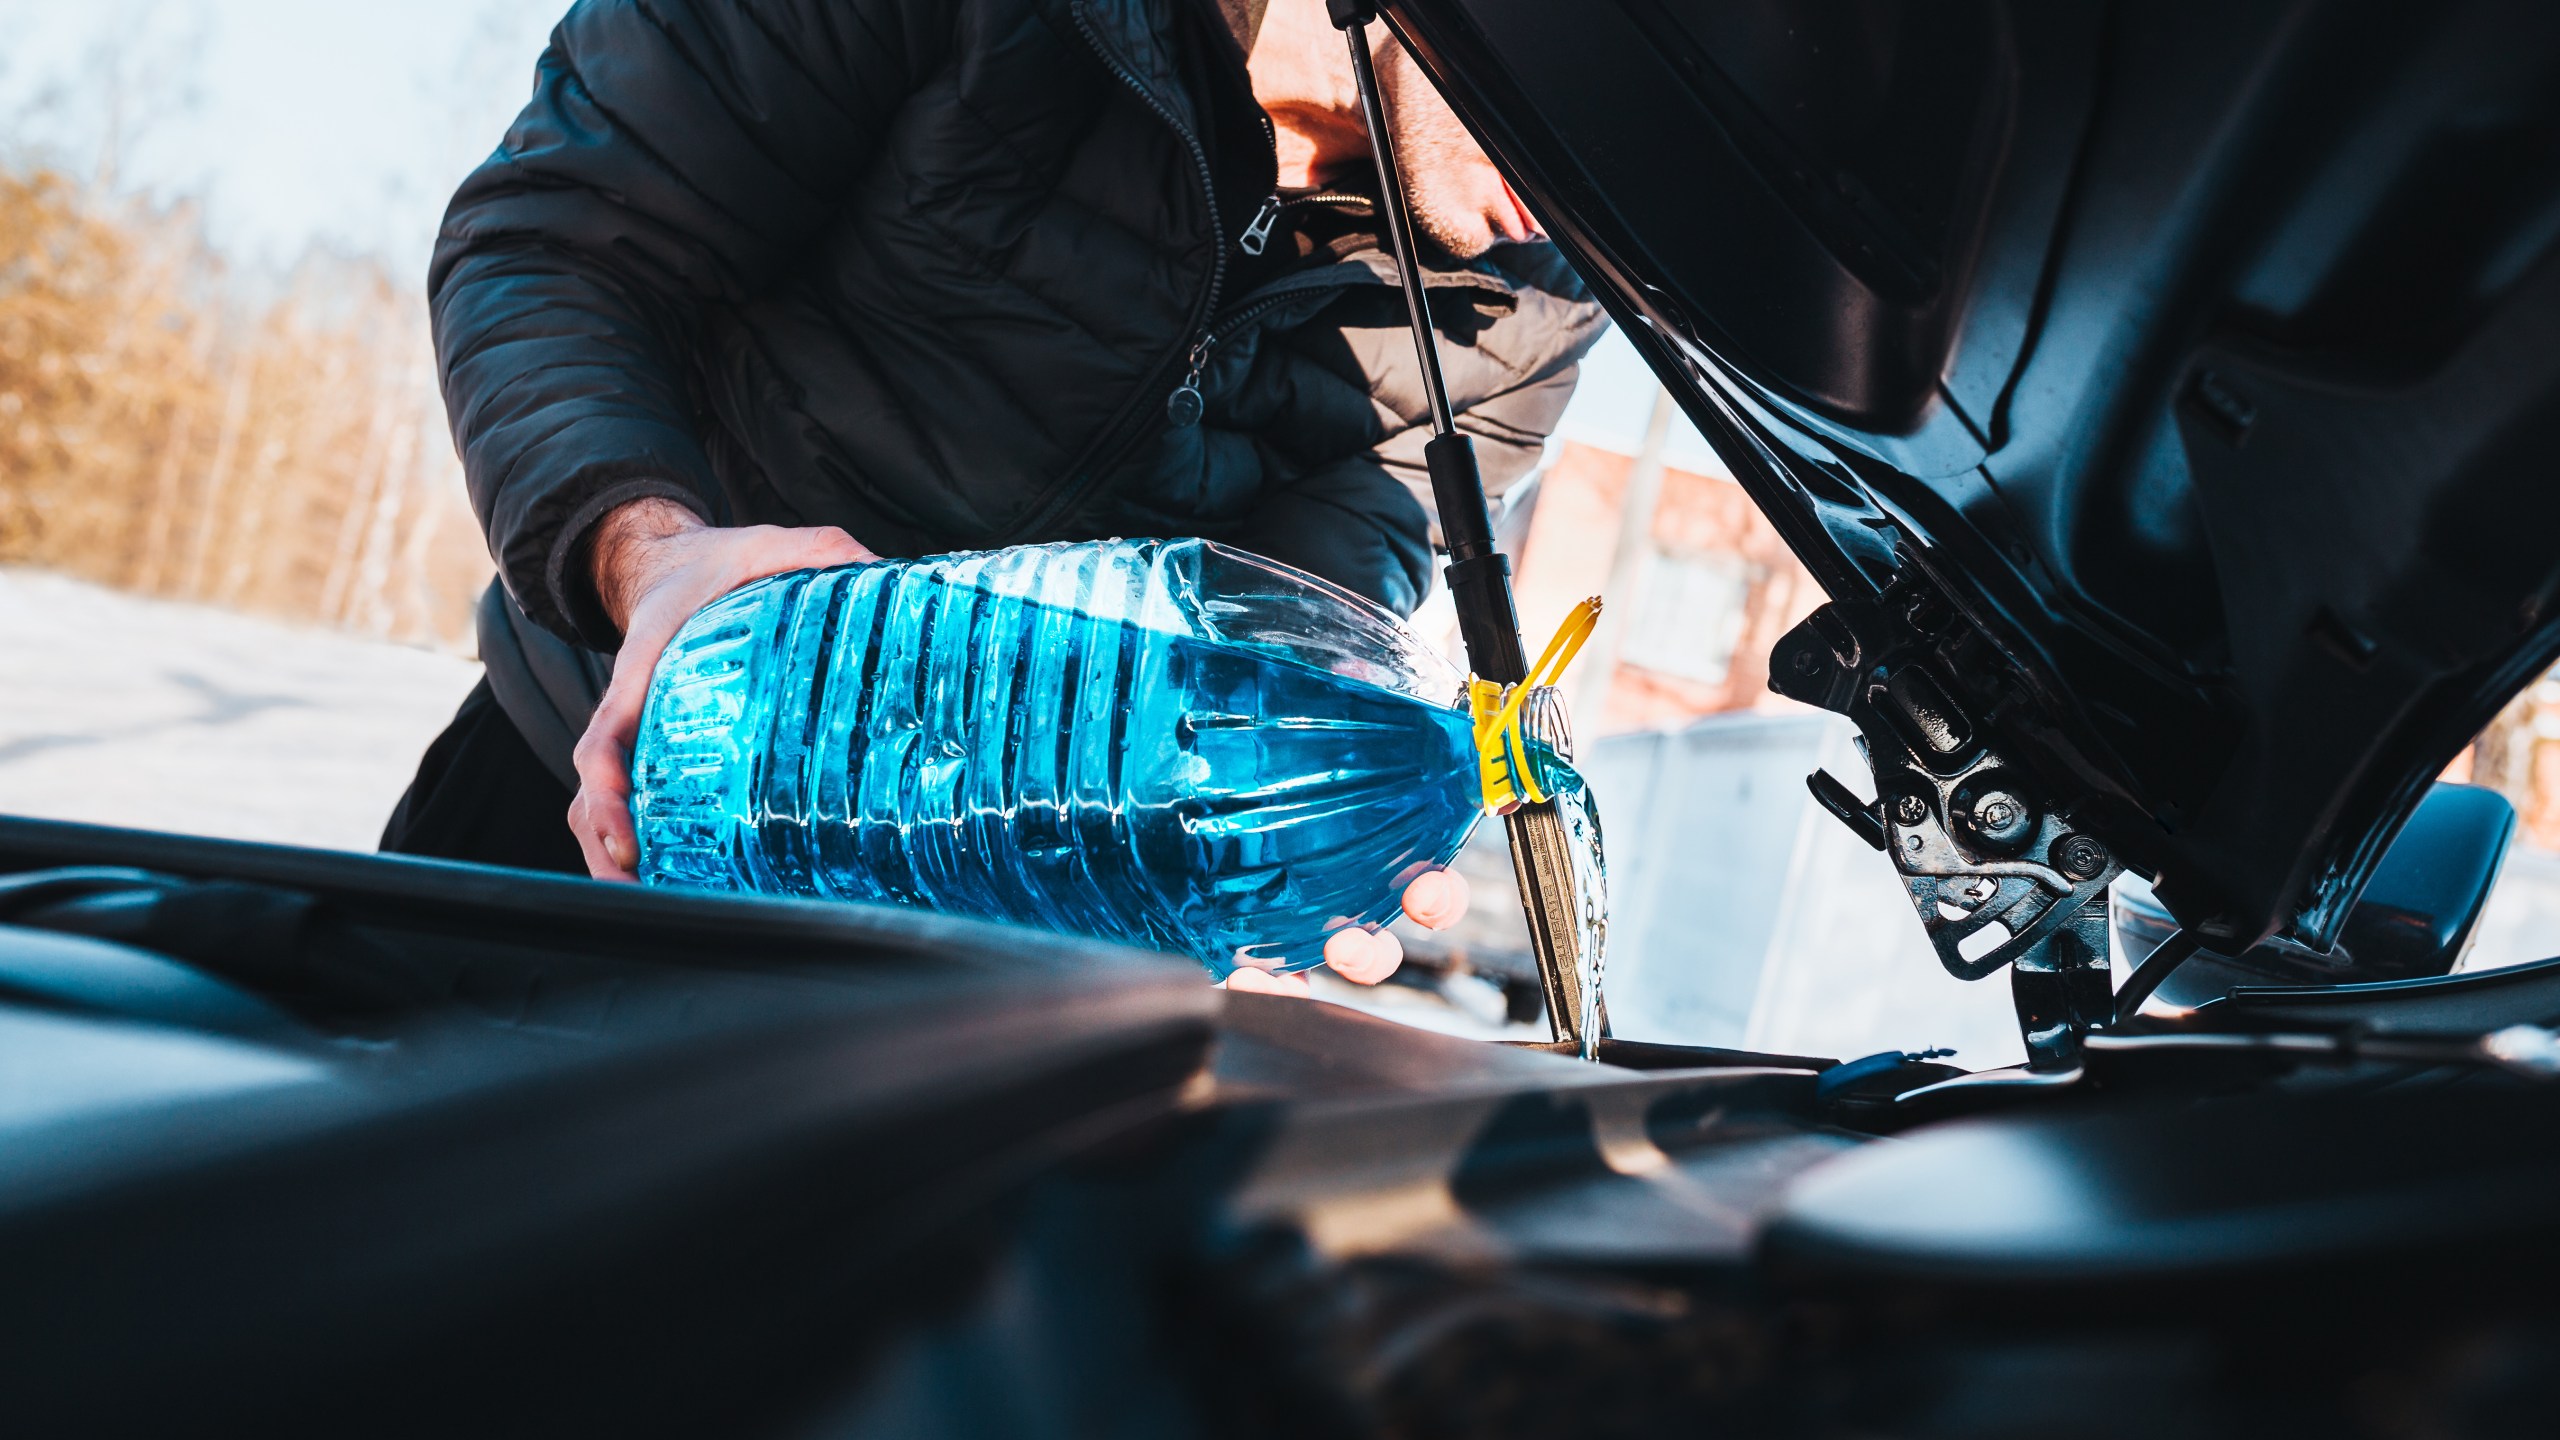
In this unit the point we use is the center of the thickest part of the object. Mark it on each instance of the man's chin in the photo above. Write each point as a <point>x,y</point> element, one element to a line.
<point>1461,237</point>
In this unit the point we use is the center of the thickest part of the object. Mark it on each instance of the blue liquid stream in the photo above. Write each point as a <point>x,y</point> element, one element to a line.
<point>878,733</point>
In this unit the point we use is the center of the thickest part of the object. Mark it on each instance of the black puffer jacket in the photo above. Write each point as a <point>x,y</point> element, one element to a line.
<point>928,270</point>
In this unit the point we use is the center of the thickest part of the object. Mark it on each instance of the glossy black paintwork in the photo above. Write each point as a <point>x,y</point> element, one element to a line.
<point>2118,1197</point>
<point>2415,919</point>
<point>407,1147</point>
<point>2204,355</point>
<point>530,1155</point>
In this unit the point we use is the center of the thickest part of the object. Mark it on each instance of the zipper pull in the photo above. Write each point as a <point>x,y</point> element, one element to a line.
<point>1258,233</point>
<point>1183,407</point>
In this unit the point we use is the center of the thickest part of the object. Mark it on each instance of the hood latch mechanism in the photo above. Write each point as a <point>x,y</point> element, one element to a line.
<point>1990,859</point>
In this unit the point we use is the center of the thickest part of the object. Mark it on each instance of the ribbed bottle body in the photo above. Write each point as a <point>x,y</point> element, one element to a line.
<point>1091,738</point>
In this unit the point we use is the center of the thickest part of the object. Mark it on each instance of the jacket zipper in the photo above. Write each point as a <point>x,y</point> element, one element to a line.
<point>1237,319</point>
<point>1115,445</point>
<point>1291,287</point>
<point>1226,327</point>
<point>1257,235</point>
<point>1184,407</point>
<point>1257,231</point>
<point>1330,200</point>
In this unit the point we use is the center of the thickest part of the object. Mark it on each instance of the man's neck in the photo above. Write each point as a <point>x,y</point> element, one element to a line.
<point>1302,78</point>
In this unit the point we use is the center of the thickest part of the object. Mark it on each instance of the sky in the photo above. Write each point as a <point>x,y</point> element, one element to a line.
<point>338,122</point>
<point>347,124</point>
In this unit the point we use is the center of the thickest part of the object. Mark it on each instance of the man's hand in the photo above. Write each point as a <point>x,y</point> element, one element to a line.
<point>1436,900</point>
<point>655,564</point>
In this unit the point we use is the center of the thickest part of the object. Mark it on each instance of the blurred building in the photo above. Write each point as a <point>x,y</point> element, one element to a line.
<point>1695,603</point>
<point>2519,755</point>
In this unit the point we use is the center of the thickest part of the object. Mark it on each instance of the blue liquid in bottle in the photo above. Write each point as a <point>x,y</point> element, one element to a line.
<point>1165,743</point>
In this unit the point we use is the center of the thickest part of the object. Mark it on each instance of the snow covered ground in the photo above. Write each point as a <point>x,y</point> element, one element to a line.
<point>125,711</point>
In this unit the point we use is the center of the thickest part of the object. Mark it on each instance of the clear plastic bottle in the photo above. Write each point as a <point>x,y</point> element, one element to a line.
<point>1167,743</point>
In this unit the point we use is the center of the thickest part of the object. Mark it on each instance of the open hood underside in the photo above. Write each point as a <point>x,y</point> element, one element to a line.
<point>2203,358</point>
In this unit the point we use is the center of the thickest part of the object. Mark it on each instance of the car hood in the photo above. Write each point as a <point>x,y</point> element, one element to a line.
<point>2204,358</point>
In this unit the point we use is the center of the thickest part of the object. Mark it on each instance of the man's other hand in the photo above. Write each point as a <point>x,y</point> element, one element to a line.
<point>1436,900</point>
<point>655,564</point>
